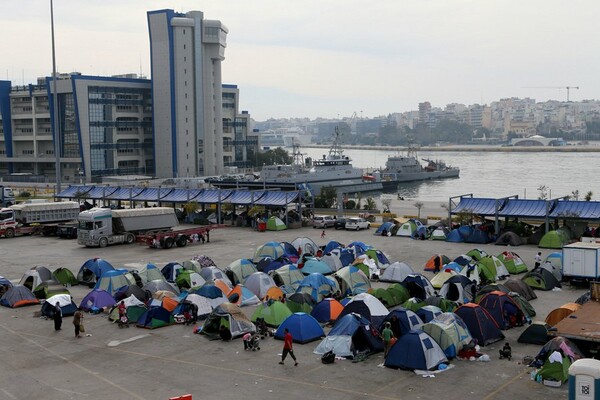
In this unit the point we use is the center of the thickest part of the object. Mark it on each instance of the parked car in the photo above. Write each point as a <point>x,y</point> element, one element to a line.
<point>340,223</point>
<point>323,221</point>
<point>355,224</point>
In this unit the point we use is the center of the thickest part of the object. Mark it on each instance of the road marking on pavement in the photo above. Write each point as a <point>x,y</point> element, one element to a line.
<point>391,383</point>
<point>114,343</point>
<point>499,388</point>
<point>6,392</point>
<point>55,354</point>
<point>211,366</point>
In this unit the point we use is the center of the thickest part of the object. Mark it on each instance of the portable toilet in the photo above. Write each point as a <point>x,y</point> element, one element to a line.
<point>584,379</point>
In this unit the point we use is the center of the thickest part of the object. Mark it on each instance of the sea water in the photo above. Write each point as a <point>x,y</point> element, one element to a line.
<point>494,174</point>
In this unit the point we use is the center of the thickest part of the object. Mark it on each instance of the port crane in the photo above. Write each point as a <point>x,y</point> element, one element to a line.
<point>554,87</point>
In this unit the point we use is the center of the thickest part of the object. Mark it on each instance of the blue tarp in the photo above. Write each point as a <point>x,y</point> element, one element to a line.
<point>245,197</point>
<point>481,206</point>
<point>524,208</point>
<point>577,209</point>
<point>72,190</point>
<point>277,198</point>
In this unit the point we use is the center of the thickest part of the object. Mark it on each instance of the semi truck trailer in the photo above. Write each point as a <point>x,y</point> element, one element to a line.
<point>100,227</point>
<point>7,196</point>
<point>38,217</point>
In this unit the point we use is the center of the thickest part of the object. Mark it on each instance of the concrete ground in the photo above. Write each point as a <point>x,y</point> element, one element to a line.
<point>134,363</point>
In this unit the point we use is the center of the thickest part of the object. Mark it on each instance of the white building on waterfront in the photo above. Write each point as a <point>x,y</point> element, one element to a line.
<point>186,53</point>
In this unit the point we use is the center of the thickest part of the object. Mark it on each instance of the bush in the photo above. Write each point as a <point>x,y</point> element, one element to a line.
<point>350,205</point>
<point>25,194</point>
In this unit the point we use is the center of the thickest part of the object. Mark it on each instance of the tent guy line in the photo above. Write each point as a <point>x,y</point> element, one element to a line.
<point>65,359</point>
<point>175,360</point>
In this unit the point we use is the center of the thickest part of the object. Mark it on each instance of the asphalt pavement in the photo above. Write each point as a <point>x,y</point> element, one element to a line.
<point>134,363</point>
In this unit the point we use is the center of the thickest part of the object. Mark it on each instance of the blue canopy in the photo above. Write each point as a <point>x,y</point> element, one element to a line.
<point>245,197</point>
<point>524,208</point>
<point>181,195</point>
<point>152,194</point>
<point>483,206</point>
<point>277,198</point>
<point>72,190</point>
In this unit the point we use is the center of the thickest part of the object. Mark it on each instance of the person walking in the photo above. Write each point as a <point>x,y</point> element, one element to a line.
<point>57,317</point>
<point>387,335</point>
<point>437,264</point>
<point>322,234</point>
<point>287,347</point>
<point>77,322</point>
<point>538,259</point>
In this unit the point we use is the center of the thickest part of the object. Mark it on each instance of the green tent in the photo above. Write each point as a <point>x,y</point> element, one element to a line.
<point>188,279</point>
<point>414,304</point>
<point>385,297</point>
<point>45,290</point>
<point>135,312</point>
<point>513,263</point>
<point>554,240</point>
<point>555,371</point>
<point>398,292</point>
<point>525,306</point>
<point>477,254</point>
<point>65,276</point>
<point>364,268</point>
<point>273,314</point>
<point>487,270</point>
<point>275,224</point>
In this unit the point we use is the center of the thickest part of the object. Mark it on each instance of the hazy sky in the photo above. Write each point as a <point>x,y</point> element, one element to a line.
<point>332,58</point>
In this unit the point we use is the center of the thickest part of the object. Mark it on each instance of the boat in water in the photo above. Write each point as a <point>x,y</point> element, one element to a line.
<point>334,169</point>
<point>407,168</point>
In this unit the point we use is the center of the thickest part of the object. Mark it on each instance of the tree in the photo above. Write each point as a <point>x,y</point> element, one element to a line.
<point>386,203</point>
<point>271,157</point>
<point>191,207</point>
<point>542,192</point>
<point>419,205</point>
<point>588,196</point>
<point>575,194</point>
<point>327,197</point>
<point>370,203</point>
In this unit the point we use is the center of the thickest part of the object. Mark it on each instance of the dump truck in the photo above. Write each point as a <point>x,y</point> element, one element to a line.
<point>7,196</point>
<point>36,217</point>
<point>100,227</point>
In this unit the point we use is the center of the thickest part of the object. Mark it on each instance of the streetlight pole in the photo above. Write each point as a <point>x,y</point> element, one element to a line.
<point>55,108</point>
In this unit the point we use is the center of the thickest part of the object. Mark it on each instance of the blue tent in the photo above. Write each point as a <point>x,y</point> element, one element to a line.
<point>478,236</point>
<point>171,270</point>
<point>267,264</point>
<point>418,286</point>
<point>317,286</point>
<point>454,266</point>
<point>316,266</point>
<point>427,313</point>
<point>303,327</point>
<point>155,317</point>
<point>208,291</point>
<point>332,245</point>
<point>112,281</point>
<point>358,248</point>
<point>415,350</point>
<point>352,332</point>
<point>290,251</point>
<point>405,321</point>
<point>455,237</point>
<point>481,324</point>
<point>96,300</point>
<point>93,269</point>
<point>463,260</point>
<point>386,226</point>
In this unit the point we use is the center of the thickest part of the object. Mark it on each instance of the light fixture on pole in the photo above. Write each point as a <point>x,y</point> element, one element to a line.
<point>55,108</point>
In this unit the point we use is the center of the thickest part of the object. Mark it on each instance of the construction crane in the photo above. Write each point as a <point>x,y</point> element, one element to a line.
<point>553,87</point>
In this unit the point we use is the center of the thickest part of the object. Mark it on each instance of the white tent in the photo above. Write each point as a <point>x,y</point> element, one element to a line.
<point>258,283</point>
<point>204,305</point>
<point>396,272</point>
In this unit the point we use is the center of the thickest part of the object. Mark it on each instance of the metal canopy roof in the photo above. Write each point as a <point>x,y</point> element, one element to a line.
<point>211,196</point>
<point>125,193</point>
<point>152,194</point>
<point>482,206</point>
<point>181,195</point>
<point>99,192</point>
<point>277,198</point>
<point>576,209</point>
<point>524,208</point>
<point>72,190</point>
<point>245,197</point>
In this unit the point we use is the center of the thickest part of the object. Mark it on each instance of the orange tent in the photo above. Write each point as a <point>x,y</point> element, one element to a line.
<point>169,304</point>
<point>274,293</point>
<point>430,264</point>
<point>562,312</point>
<point>221,284</point>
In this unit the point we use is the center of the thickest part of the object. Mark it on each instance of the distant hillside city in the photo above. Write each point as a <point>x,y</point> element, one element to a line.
<point>454,123</point>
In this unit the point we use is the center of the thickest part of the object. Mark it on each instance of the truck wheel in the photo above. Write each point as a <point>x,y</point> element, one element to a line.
<point>130,238</point>
<point>9,233</point>
<point>168,243</point>
<point>181,241</point>
<point>103,242</point>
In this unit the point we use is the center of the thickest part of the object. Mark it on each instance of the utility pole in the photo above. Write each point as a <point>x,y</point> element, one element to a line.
<point>55,108</point>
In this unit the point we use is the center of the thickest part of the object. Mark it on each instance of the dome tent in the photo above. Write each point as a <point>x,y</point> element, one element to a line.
<point>273,314</point>
<point>36,276</point>
<point>450,332</point>
<point>480,323</point>
<point>350,332</point>
<point>93,269</point>
<point>97,300</point>
<point>368,306</point>
<point>415,350</point>
<point>239,270</point>
<point>352,280</point>
<point>275,224</point>
<point>112,281</point>
<point>402,321</point>
<point>270,249</point>
<point>65,276</point>
<point>18,296</point>
<point>259,283</point>
<point>303,327</point>
<point>396,272</point>
<point>513,263</point>
<point>65,302</point>
<point>229,316</point>
<point>327,310</point>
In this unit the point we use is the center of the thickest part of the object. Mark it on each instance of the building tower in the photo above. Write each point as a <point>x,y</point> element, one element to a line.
<point>186,53</point>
